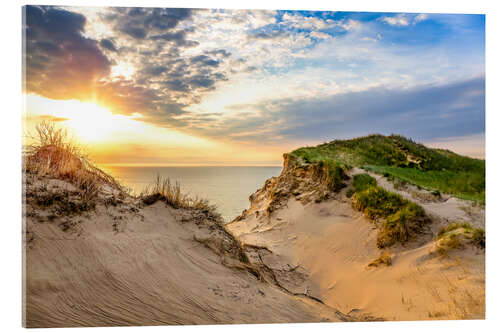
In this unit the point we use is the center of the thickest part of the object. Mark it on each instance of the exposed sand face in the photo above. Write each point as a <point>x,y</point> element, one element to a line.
<point>333,245</point>
<point>127,264</point>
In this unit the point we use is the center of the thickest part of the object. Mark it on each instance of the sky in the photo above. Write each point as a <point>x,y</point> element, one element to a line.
<point>166,86</point>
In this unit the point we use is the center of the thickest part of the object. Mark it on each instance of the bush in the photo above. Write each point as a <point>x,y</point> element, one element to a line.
<point>479,237</point>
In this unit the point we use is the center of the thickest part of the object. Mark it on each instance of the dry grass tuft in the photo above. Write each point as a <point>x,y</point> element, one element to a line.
<point>457,235</point>
<point>53,154</point>
<point>163,189</point>
<point>384,259</point>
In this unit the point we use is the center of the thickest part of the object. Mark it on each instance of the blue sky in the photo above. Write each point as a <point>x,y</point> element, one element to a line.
<point>267,80</point>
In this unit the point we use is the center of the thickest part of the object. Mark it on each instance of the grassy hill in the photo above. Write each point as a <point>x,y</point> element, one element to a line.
<point>398,157</point>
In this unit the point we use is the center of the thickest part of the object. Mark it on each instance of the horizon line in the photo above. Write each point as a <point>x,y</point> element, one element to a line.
<point>189,165</point>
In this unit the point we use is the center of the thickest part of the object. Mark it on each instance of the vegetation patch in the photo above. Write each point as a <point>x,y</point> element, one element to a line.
<point>397,157</point>
<point>400,219</point>
<point>52,153</point>
<point>331,173</point>
<point>163,189</point>
<point>384,259</point>
<point>468,185</point>
<point>362,181</point>
<point>457,235</point>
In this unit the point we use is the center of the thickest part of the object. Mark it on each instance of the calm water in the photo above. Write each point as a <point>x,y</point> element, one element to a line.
<point>226,186</point>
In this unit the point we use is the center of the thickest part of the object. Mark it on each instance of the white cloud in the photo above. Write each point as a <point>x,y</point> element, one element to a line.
<point>306,22</point>
<point>398,20</point>
<point>420,18</point>
<point>404,19</point>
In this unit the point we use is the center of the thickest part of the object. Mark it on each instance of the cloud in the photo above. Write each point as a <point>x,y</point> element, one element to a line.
<point>423,113</point>
<point>420,18</point>
<point>108,45</point>
<point>398,20</point>
<point>60,62</point>
<point>301,76</point>
<point>45,117</point>
<point>139,22</point>
<point>404,19</point>
<point>64,62</point>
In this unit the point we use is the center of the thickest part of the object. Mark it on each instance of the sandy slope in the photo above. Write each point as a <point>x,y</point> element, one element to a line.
<point>332,245</point>
<point>128,264</point>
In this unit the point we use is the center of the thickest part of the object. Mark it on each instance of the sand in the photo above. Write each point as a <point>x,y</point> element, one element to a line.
<point>129,264</point>
<point>333,244</point>
<point>291,257</point>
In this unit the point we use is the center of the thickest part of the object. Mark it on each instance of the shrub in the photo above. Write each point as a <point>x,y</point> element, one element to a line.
<point>436,193</point>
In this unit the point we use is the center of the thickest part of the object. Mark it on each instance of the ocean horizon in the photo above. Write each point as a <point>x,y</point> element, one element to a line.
<point>228,187</point>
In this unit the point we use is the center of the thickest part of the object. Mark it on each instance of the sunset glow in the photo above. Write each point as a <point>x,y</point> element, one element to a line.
<point>181,86</point>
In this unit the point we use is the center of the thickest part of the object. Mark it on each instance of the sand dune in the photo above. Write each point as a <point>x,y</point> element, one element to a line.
<point>333,245</point>
<point>300,253</point>
<point>129,264</point>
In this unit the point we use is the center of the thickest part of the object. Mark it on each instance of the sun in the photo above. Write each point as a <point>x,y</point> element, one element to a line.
<point>90,122</point>
<point>93,124</point>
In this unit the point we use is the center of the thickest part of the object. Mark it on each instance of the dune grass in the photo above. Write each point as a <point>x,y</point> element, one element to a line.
<point>362,181</point>
<point>331,173</point>
<point>51,153</point>
<point>400,219</point>
<point>383,259</point>
<point>463,185</point>
<point>163,189</point>
<point>455,234</point>
<point>401,158</point>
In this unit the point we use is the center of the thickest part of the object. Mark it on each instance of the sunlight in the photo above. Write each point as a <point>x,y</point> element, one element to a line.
<point>91,123</point>
<point>123,69</point>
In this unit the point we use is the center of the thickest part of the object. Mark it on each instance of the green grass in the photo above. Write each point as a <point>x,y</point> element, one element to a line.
<point>464,185</point>
<point>399,157</point>
<point>363,181</point>
<point>332,173</point>
<point>401,219</point>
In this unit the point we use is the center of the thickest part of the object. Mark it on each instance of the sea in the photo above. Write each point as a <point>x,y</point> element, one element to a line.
<point>228,187</point>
